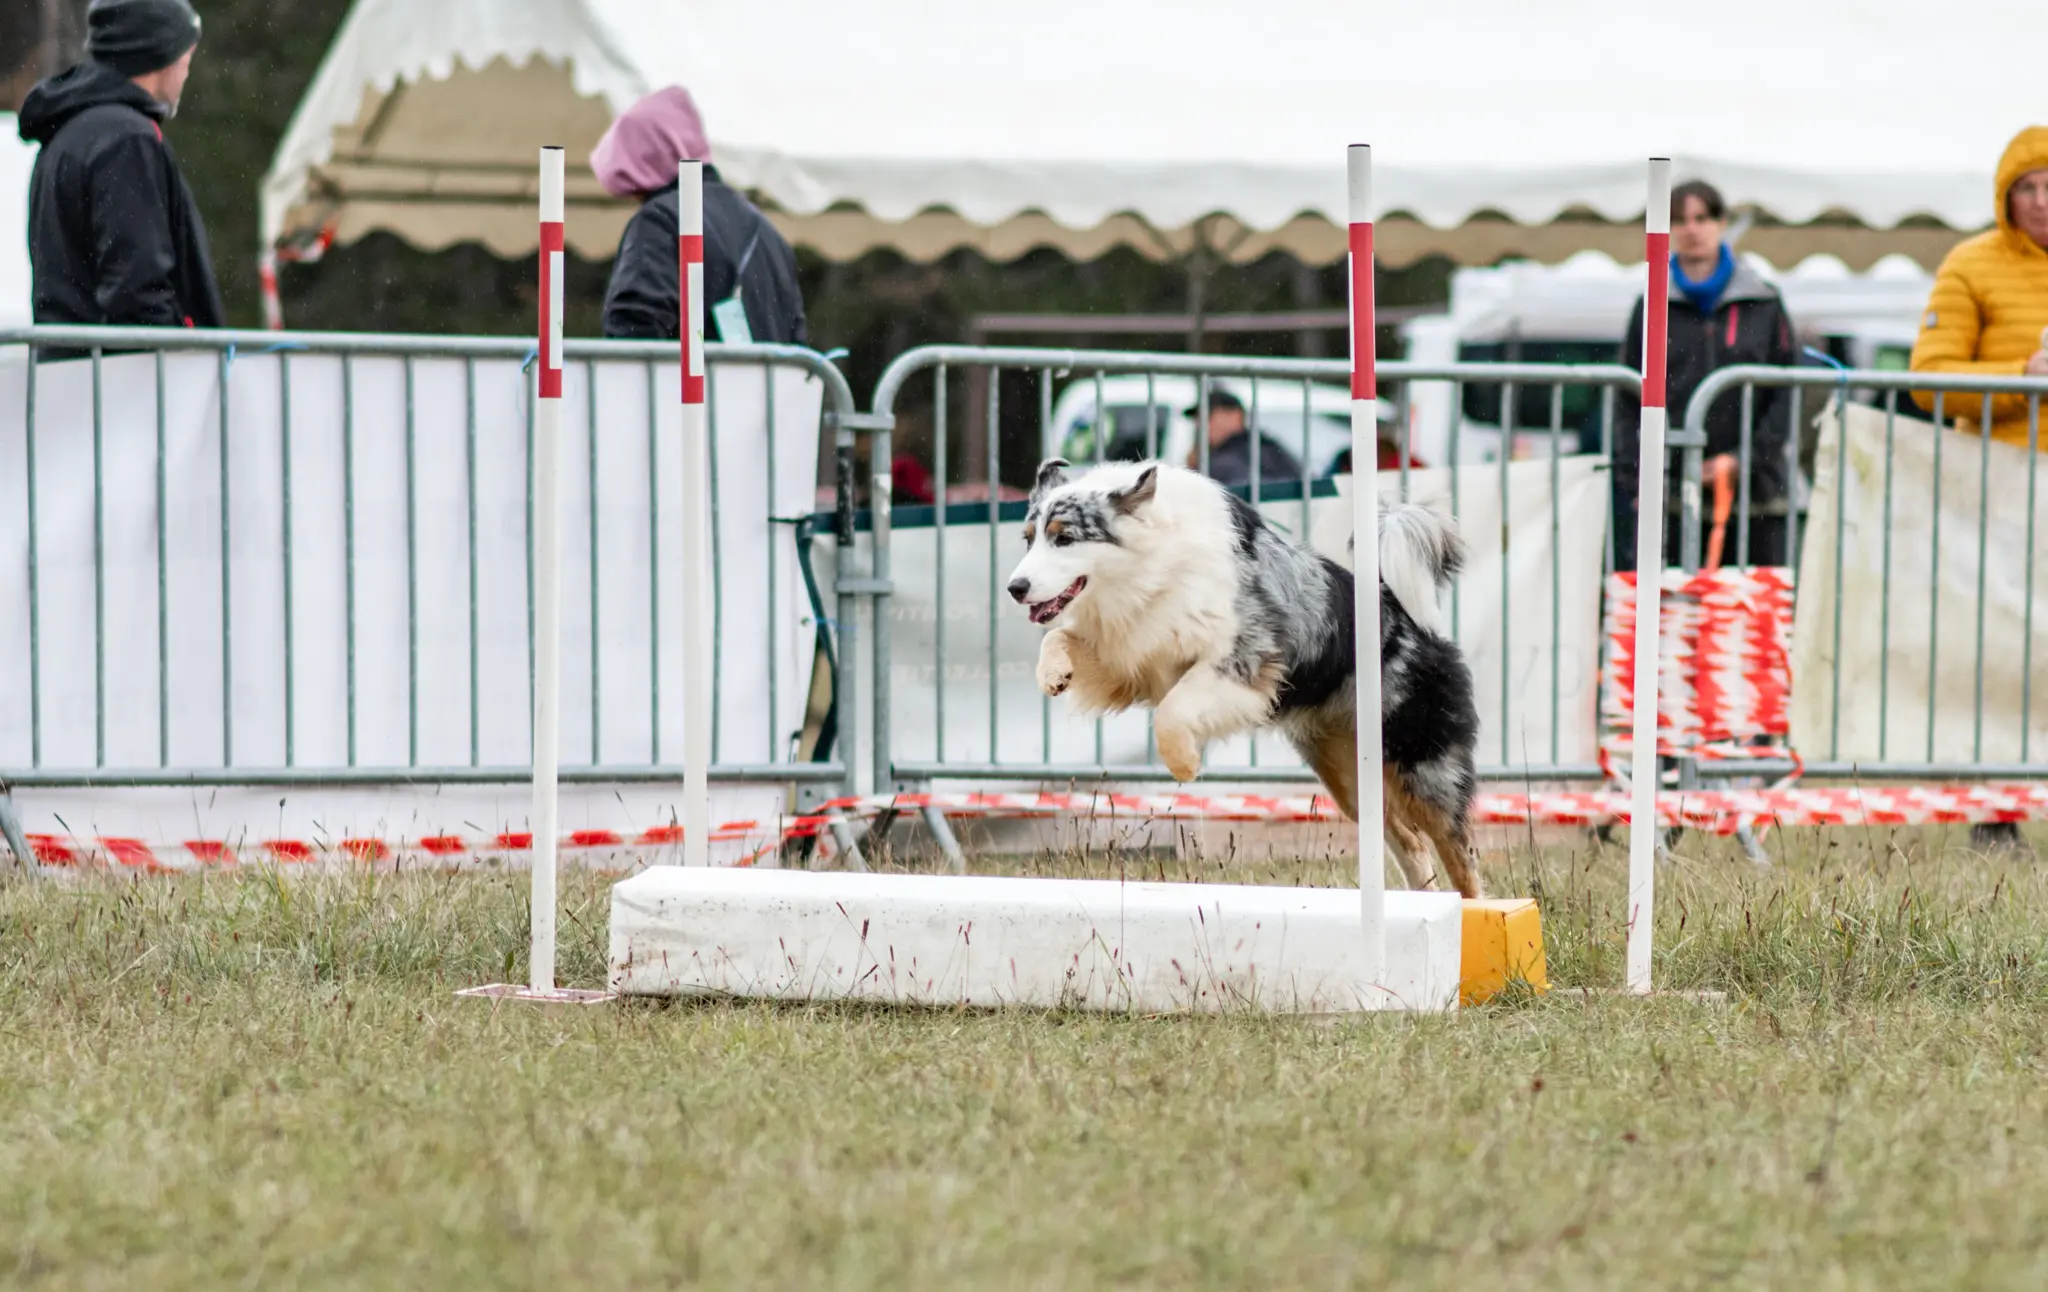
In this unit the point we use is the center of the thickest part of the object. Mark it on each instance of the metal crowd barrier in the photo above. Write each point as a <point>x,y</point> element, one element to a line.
<point>1282,386</point>
<point>1944,401</point>
<point>1009,399</point>
<point>429,443</point>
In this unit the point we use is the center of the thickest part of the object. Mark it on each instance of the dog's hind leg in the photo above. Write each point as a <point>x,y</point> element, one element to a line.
<point>1453,839</point>
<point>1407,841</point>
<point>1204,705</point>
<point>1332,754</point>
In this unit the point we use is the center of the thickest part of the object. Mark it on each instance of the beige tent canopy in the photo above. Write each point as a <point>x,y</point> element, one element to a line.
<point>1499,128</point>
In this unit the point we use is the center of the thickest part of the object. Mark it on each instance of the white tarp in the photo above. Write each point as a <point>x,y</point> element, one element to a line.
<point>1079,124</point>
<point>1940,611</point>
<point>1029,729</point>
<point>416,659</point>
<point>17,159</point>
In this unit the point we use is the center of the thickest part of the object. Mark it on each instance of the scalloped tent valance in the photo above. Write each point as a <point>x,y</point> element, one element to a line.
<point>1500,128</point>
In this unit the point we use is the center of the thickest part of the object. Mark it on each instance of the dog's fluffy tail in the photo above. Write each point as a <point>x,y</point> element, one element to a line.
<point>1420,552</point>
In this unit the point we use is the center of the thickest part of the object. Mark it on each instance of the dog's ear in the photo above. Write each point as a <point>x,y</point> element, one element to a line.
<point>1128,501</point>
<point>1052,473</point>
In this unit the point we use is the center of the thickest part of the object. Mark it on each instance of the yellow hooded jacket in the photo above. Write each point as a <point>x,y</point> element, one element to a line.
<point>1989,306</point>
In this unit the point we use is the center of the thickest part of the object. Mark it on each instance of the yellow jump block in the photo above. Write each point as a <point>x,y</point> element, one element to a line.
<point>1503,943</point>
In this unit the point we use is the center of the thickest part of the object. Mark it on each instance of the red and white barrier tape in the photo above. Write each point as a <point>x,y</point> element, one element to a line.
<point>1714,811</point>
<point>1711,811</point>
<point>452,850</point>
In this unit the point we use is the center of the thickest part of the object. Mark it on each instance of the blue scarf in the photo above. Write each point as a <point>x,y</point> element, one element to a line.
<point>1706,293</point>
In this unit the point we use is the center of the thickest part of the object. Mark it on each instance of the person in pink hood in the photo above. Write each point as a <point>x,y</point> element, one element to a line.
<point>743,254</point>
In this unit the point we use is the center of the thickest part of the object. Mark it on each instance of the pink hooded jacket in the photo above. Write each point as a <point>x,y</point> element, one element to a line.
<point>639,152</point>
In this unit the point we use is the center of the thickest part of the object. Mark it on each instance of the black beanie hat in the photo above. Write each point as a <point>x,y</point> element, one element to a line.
<point>136,37</point>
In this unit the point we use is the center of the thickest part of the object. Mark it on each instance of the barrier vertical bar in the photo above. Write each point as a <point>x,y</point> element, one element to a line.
<point>939,478</point>
<point>1983,551</point>
<point>2027,619</point>
<point>284,444</point>
<point>163,579</point>
<point>412,574</point>
<point>469,502</point>
<point>348,538</point>
<point>697,571</point>
<point>547,573</point>
<point>227,604</point>
<point>717,583</point>
<point>1365,529</point>
<point>654,570</point>
<point>99,566</point>
<point>1642,835</point>
<point>995,580</point>
<point>35,610</point>
<point>596,612</point>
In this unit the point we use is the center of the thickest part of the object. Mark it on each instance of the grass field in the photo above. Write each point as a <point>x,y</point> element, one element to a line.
<point>248,1081</point>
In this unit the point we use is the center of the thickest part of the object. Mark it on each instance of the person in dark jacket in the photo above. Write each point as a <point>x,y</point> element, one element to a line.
<point>743,253</point>
<point>1721,313</point>
<point>1230,446</point>
<point>114,235</point>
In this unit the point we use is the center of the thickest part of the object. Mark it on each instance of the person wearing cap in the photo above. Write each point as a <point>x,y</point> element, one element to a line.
<point>114,235</point>
<point>1230,446</point>
<point>750,284</point>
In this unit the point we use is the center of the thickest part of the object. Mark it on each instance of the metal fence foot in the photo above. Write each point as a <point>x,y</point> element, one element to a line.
<point>1753,848</point>
<point>849,846</point>
<point>942,834</point>
<point>10,829</point>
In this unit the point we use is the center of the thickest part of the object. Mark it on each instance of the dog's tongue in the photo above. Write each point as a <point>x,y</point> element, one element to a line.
<point>1047,611</point>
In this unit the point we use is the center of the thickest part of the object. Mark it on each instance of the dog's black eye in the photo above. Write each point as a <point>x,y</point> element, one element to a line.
<point>1062,539</point>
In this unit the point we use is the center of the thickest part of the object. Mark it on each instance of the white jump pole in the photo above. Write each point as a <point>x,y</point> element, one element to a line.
<point>697,571</point>
<point>1643,824</point>
<point>547,576</point>
<point>1365,564</point>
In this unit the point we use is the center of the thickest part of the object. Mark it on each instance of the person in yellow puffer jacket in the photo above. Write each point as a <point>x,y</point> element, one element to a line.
<point>1989,307</point>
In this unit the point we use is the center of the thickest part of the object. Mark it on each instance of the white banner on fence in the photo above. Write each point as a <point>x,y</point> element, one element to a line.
<point>1018,725</point>
<point>437,609</point>
<point>1925,656</point>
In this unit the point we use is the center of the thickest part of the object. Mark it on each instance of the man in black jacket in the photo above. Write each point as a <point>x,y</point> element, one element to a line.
<point>1721,313</point>
<point>114,235</point>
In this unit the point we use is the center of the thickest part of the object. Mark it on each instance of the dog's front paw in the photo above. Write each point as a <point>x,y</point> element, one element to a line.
<point>1055,667</point>
<point>1054,678</point>
<point>1181,753</point>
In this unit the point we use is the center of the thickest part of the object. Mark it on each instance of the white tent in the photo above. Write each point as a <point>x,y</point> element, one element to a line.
<point>1499,127</point>
<point>17,159</point>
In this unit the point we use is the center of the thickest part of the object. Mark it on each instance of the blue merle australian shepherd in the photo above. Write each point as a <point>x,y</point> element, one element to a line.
<point>1165,589</point>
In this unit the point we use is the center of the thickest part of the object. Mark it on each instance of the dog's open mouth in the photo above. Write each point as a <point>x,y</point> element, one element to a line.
<point>1044,612</point>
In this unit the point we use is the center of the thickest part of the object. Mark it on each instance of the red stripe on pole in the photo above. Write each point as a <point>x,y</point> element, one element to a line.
<point>692,253</point>
<point>550,362</point>
<point>1364,381</point>
<point>1656,316</point>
